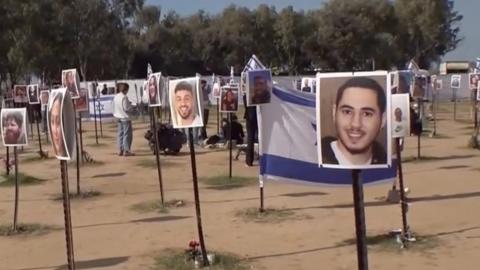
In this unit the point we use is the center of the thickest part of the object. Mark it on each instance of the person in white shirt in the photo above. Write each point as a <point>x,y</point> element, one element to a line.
<point>121,107</point>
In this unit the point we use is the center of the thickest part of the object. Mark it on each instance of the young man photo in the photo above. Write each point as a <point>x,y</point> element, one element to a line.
<point>259,83</point>
<point>14,128</point>
<point>357,137</point>
<point>185,105</point>
<point>400,115</point>
<point>33,94</point>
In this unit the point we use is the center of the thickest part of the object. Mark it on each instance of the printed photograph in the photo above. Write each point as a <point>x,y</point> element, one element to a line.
<point>153,87</point>
<point>14,126</point>
<point>419,87</point>
<point>44,95</point>
<point>229,98</point>
<point>473,78</point>
<point>455,81</point>
<point>353,127</point>
<point>81,103</point>
<point>71,80</point>
<point>61,123</point>
<point>259,87</point>
<point>20,94</point>
<point>400,115</point>
<point>185,105</point>
<point>33,94</point>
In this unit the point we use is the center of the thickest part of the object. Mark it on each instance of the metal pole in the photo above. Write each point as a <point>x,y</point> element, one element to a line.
<point>7,162</point>
<point>403,200</point>
<point>80,131</point>
<point>475,116</point>
<point>95,113</point>
<point>67,215</point>
<point>100,117</point>
<point>218,116</point>
<point>360,226</point>
<point>77,148</point>
<point>230,144</point>
<point>197,198</point>
<point>454,104</point>
<point>434,97</point>
<point>262,209</point>
<point>157,155</point>
<point>15,212</point>
<point>39,137</point>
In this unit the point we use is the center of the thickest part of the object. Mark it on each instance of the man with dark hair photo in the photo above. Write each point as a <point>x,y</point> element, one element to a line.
<point>13,127</point>
<point>259,83</point>
<point>184,100</point>
<point>359,116</point>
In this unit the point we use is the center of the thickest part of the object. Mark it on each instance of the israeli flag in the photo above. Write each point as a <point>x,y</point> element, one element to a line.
<point>413,66</point>
<point>253,64</point>
<point>288,143</point>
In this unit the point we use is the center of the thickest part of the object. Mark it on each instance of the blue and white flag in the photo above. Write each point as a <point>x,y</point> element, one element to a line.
<point>477,65</point>
<point>253,64</point>
<point>288,143</point>
<point>413,66</point>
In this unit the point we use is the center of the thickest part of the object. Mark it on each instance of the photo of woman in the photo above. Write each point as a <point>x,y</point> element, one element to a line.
<point>153,87</point>
<point>61,123</point>
<point>71,81</point>
<point>229,98</point>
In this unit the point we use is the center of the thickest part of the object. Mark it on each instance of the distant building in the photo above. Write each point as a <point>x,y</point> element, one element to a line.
<point>449,67</point>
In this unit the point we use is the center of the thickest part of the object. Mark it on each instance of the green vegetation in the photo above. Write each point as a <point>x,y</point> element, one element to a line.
<point>174,259</point>
<point>223,182</point>
<point>23,179</point>
<point>156,206</point>
<point>269,215</point>
<point>26,229</point>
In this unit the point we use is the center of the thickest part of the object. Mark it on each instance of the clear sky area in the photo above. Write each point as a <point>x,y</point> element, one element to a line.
<point>468,49</point>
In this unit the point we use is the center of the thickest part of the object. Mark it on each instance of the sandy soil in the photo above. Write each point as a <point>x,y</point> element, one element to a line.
<point>444,199</point>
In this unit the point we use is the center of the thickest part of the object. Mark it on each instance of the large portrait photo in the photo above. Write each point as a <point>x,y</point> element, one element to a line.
<point>229,98</point>
<point>33,94</point>
<point>71,80</point>
<point>20,94</point>
<point>153,89</point>
<point>185,105</point>
<point>455,81</point>
<point>353,127</point>
<point>473,79</point>
<point>61,123</point>
<point>400,115</point>
<point>81,104</point>
<point>259,87</point>
<point>44,95</point>
<point>14,126</point>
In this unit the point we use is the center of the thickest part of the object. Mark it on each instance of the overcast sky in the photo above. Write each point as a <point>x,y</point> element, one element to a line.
<point>469,49</point>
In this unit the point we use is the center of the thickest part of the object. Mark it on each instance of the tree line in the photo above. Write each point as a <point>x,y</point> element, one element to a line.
<point>106,39</point>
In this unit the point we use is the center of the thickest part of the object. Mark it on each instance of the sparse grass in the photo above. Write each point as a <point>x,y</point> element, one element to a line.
<point>156,206</point>
<point>152,163</point>
<point>388,243</point>
<point>223,182</point>
<point>23,179</point>
<point>97,145</point>
<point>82,196</point>
<point>176,259</point>
<point>26,229</point>
<point>269,215</point>
<point>36,157</point>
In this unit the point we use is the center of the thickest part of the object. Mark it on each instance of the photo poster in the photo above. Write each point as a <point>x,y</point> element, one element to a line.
<point>81,104</point>
<point>259,86</point>
<point>44,95</point>
<point>14,126</point>
<point>229,98</point>
<point>216,89</point>
<point>33,94</point>
<point>185,102</point>
<point>353,120</point>
<point>153,90</point>
<point>473,79</point>
<point>163,90</point>
<point>402,81</point>
<point>308,85</point>
<point>438,84</point>
<point>419,87</point>
<point>455,81</point>
<point>61,123</point>
<point>400,115</point>
<point>20,94</point>
<point>478,92</point>
<point>71,80</point>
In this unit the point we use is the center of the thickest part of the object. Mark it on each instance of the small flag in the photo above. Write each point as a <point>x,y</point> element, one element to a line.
<point>253,64</point>
<point>412,66</point>
<point>149,70</point>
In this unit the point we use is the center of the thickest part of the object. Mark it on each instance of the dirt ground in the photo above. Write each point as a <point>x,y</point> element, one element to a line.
<point>445,191</point>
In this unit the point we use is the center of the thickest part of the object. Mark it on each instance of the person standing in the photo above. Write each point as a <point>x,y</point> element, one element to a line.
<point>252,129</point>
<point>121,108</point>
